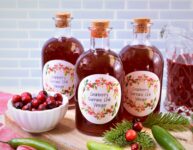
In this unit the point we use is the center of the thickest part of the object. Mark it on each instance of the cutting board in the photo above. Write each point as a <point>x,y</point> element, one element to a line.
<point>67,137</point>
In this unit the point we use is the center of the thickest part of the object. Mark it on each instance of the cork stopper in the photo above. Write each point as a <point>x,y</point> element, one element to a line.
<point>62,19</point>
<point>99,28</point>
<point>141,25</point>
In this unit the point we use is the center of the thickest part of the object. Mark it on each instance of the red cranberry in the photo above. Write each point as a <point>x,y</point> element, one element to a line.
<point>16,98</point>
<point>35,103</point>
<point>41,107</point>
<point>26,99</point>
<point>138,126</point>
<point>41,98</point>
<point>43,93</point>
<point>26,93</point>
<point>27,107</point>
<point>18,105</point>
<point>51,103</point>
<point>33,109</point>
<point>58,97</point>
<point>135,146</point>
<point>58,103</point>
<point>130,135</point>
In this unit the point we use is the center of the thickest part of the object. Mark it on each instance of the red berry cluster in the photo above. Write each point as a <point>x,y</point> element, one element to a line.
<point>42,101</point>
<point>131,135</point>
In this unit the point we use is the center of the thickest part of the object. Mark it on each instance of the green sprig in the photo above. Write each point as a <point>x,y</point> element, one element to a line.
<point>116,136</point>
<point>169,121</point>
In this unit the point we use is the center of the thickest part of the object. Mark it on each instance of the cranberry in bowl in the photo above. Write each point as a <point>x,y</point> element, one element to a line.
<point>37,113</point>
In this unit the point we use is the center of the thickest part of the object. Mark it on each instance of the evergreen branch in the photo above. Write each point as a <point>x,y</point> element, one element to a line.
<point>116,136</point>
<point>169,121</point>
<point>145,141</point>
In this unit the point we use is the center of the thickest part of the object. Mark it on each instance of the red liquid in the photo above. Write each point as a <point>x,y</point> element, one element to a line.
<point>68,49</point>
<point>142,58</point>
<point>180,82</point>
<point>97,62</point>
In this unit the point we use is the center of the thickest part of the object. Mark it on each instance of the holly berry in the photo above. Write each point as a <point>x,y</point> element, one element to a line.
<point>135,146</point>
<point>58,97</point>
<point>138,126</point>
<point>131,135</point>
<point>16,98</point>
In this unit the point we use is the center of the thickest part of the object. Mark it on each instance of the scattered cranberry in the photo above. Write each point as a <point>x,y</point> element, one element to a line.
<point>43,93</point>
<point>16,98</point>
<point>135,146</point>
<point>35,103</point>
<point>26,99</point>
<point>130,135</point>
<point>18,105</point>
<point>58,97</point>
<point>41,107</point>
<point>41,98</point>
<point>137,126</point>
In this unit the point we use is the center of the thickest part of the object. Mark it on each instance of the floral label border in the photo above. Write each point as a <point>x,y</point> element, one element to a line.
<point>99,98</point>
<point>58,76</point>
<point>141,92</point>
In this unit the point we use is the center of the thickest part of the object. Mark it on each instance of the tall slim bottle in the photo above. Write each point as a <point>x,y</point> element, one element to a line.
<point>143,66</point>
<point>99,75</point>
<point>59,55</point>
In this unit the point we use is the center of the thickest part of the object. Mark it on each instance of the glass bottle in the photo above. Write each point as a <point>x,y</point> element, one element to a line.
<point>99,75</point>
<point>143,66</point>
<point>59,55</point>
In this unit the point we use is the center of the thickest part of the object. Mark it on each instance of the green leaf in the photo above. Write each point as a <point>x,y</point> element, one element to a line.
<point>169,121</point>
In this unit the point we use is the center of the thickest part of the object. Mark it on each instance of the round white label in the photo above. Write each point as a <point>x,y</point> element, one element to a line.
<point>58,76</point>
<point>142,92</point>
<point>99,98</point>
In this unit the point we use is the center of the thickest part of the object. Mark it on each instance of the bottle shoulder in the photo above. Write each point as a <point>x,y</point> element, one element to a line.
<point>62,42</point>
<point>98,55</point>
<point>140,50</point>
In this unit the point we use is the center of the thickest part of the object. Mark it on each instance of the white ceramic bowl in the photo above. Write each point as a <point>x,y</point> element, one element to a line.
<point>38,121</point>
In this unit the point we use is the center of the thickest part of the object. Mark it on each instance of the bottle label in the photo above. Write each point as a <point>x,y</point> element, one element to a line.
<point>58,76</point>
<point>99,98</point>
<point>141,92</point>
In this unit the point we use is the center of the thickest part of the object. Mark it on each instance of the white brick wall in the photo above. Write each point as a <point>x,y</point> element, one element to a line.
<point>26,24</point>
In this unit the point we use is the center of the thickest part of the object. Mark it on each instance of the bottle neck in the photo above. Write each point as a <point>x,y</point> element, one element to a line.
<point>99,39</point>
<point>62,32</point>
<point>141,37</point>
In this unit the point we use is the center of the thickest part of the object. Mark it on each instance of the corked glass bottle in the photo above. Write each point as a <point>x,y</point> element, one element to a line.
<point>143,66</point>
<point>99,75</point>
<point>59,55</point>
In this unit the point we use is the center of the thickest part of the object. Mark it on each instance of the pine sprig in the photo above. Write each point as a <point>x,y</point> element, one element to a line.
<point>116,136</point>
<point>169,121</point>
<point>146,142</point>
